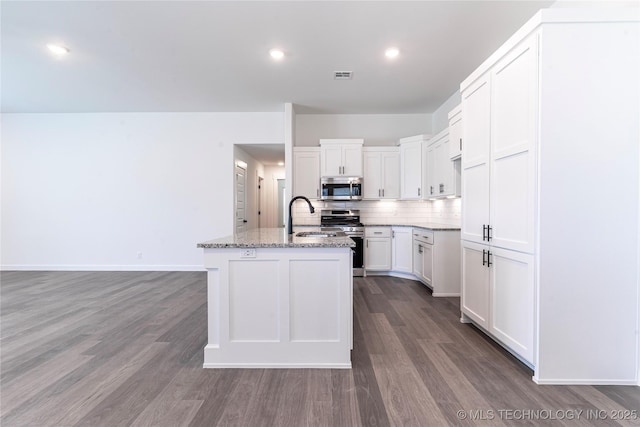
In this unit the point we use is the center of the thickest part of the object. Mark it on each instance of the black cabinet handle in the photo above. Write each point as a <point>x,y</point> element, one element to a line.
<point>489,259</point>
<point>489,228</point>
<point>484,260</point>
<point>484,232</point>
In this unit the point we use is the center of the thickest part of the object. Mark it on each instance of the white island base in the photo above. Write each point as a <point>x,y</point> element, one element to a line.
<point>279,307</point>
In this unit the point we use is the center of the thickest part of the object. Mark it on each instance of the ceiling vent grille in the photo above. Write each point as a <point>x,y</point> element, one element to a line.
<point>342,75</point>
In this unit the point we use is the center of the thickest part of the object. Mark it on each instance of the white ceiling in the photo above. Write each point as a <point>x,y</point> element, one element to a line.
<point>213,55</point>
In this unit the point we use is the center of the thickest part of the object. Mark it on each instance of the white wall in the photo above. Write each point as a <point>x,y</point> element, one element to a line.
<point>440,117</point>
<point>90,191</point>
<point>376,129</point>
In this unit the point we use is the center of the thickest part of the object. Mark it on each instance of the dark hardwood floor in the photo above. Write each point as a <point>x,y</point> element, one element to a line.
<point>125,349</point>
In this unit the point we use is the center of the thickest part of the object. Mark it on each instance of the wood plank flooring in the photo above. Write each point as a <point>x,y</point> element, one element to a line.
<point>126,349</point>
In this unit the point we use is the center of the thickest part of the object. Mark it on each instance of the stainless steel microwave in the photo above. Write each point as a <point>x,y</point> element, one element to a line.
<point>341,188</point>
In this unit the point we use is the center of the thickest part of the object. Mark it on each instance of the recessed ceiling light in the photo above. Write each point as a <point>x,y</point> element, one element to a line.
<point>57,49</point>
<point>276,54</point>
<point>392,52</point>
<point>280,163</point>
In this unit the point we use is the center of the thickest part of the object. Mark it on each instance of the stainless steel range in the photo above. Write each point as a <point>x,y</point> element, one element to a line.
<point>349,222</point>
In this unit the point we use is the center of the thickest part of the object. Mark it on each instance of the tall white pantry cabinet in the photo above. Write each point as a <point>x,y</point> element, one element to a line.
<point>550,196</point>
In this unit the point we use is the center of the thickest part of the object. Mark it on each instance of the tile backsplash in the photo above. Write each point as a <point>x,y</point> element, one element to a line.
<point>443,211</point>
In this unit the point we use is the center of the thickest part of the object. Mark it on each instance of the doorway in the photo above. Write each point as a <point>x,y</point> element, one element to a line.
<point>259,201</point>
<point>282,201</point>
<point>240,207</point>
<point>263,167</point>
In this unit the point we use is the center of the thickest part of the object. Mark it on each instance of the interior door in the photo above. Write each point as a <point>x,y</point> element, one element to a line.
<point>259,197</point>
<point>240,183</point>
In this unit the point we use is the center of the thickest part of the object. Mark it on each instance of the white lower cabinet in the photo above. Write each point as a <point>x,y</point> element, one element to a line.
<point>436,260</point>
<point>498,294</point>
<point>417,259</point>
<point>401,250</point>
<point>475,283</point>
<point>427,265</point>
<point>377,248</point>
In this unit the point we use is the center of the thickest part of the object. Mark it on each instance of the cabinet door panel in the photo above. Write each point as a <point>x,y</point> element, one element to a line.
<point>475,161</point>
<point>352,160</point>
<point>475,283</point>
<point>512,197</point>
<point>417,259</point>
<point>455,137</point>
<point>476,126</point>
<point>514,89</point>
<point>444,169</point>
<point>331,160</point>
<point>402,250</point>
<point>411,174</point>
<point>512,300</point>
<point>427,264</point>
<point>431,184</point>
<point>377,254</point>
<point>372,176</point>
<point>391,175</point>
<point>475,202</point>
<point>306,173</point>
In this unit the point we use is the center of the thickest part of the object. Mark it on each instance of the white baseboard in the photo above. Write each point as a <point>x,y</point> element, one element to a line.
<point>102,268</point>
<point>278,365</point>
<point>564,381</point>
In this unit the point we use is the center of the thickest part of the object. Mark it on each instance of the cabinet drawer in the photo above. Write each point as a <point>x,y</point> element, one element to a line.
<point>377,231</point>
<point>424,235</point>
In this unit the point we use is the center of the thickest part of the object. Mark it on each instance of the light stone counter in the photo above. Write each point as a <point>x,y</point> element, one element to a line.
<point>425,225</point>
<point>276,238</point>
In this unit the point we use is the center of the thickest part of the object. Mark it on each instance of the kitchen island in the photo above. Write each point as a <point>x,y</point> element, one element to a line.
<point>278,301</point>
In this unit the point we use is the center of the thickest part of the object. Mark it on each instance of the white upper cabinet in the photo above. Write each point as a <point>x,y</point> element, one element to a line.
<point>514,91</point>
<point>499,156</point>
<point>411,167</point>
<point>341,157</point>
<point>381,172</point>
<point>476,102</point>
<point>306,172</point>
<point>442,175</point>
<point>455,133</point>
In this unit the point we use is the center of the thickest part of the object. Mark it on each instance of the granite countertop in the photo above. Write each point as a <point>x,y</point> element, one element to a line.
<point>276,238</point>
<point>427,226</point>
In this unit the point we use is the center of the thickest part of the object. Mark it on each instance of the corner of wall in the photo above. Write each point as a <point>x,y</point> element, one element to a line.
<point>439,118</point>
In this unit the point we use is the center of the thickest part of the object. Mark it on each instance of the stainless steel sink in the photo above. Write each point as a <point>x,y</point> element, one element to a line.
<point>320,234</point>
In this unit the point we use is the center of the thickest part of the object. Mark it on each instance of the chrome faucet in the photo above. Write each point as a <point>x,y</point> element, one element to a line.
<point>311,209</point>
